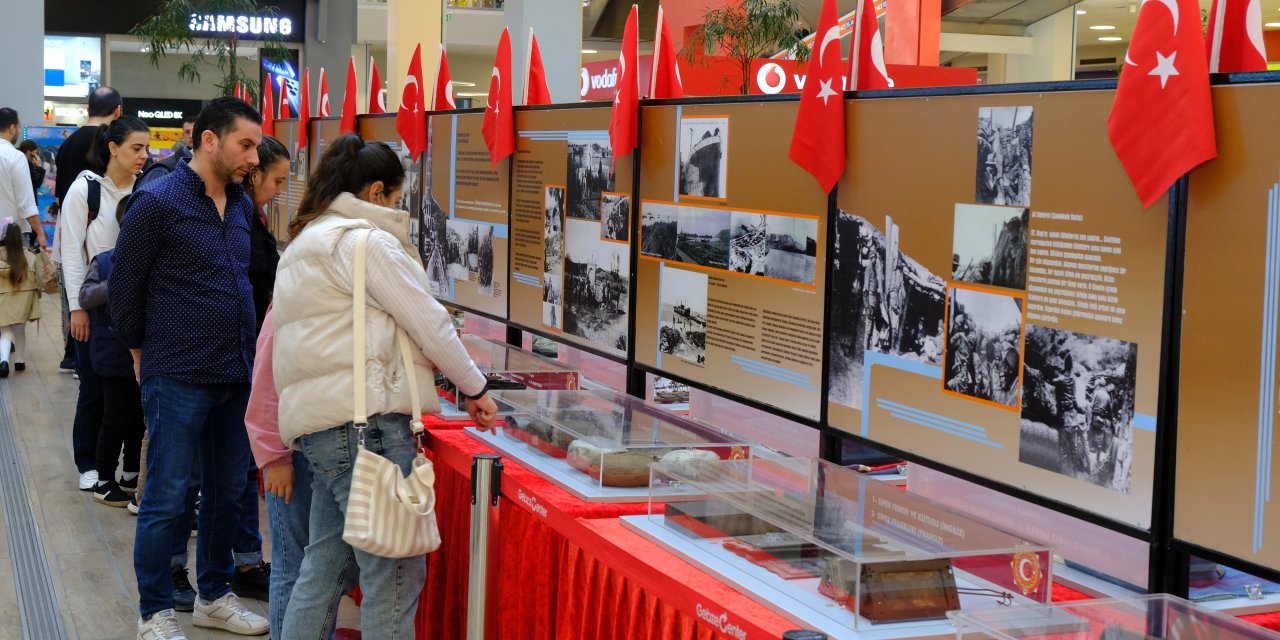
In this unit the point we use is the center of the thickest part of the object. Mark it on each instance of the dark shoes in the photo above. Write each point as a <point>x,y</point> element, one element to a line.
<point>110,494</point>
<point>184,596</point>
<point>4,369</point>
<point>67,366</point>
<point>129,486</point>
<point>19,366</point>
<point>254,583</point>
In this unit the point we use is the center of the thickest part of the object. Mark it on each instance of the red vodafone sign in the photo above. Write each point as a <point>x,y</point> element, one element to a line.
<point>600,79</point>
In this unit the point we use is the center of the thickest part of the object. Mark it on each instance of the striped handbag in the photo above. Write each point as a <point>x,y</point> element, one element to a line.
<point>388,515</point>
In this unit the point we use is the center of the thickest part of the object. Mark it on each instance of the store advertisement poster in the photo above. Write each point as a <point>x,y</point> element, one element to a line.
<point>571,227</point>
<point>731,278</point>
<point>464,216</point>
<point>50,139</point>
<point>997,302</point>
<point>1228,484</point>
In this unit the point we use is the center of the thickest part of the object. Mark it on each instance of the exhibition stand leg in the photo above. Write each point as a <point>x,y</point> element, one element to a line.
<point>486,486</point>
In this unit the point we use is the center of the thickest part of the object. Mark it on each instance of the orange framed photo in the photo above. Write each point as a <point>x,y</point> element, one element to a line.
<point>615,217</point>
<point>702,157</point>
<point>983,351</point>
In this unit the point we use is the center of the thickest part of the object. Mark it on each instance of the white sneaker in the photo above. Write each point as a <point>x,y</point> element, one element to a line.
<point>161,626</point>
<point>229,614</point>
<point>88,480</point>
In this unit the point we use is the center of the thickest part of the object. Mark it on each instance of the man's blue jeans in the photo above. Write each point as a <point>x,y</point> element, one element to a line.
<point>190,425</point>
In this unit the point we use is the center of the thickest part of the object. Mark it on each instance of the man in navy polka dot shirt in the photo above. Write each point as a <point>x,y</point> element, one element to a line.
<point>181,301</point>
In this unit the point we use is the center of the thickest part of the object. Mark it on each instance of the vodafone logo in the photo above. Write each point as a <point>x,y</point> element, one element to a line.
<point>771,79</point>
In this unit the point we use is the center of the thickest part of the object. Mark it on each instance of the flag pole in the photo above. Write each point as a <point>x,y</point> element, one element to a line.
<point>657,54</point>
<point>528,59</point>
<point>1219,20</point>
<point>854,53</point>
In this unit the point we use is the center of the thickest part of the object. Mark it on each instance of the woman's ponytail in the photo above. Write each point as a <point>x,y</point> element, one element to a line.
<point>99,155</point>
<point>348,165</point>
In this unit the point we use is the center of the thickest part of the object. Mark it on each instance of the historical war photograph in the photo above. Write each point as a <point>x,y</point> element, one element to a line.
<point>1004,156</point>
<point>682,314</point>
<point>793,249</point>
<point>553,231</point>
<point>984,346</point>
<point>989,245</point>
<point>882,301</point>
<point>704,157</point>
<point>590,175</point>
<point>552,301</point>
<point>459,255</point>
<point>1078,405</point>
<point>597,278</point>
<point>658,230</point>
<point>435,246</point>
<point>748,242</point>
<point>702,236</point>
<point>484,258</point>
<point>615,223</point>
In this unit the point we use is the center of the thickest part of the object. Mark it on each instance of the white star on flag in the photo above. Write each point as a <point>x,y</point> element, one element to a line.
<point>824,89</point>
<point>1164,67</point>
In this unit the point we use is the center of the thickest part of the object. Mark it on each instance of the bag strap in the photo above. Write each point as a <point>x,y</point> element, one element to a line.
<point>415,397</point>
<point>358,330</point>
<point>94,200</point>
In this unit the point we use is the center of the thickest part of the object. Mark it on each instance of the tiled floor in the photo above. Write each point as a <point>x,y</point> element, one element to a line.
<point>89,547</point>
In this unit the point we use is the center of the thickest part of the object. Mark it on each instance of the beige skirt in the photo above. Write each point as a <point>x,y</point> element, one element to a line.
<point>19,307</point>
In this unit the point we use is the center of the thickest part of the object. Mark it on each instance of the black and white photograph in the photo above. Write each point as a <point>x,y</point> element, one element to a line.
<point>553,231</point>
<point>989,245</point>
<point>882,301</point>
<point>793,249</point>
<point>459,255</point>
<point>658,230</point>
<point>590,176</point>
<point>1004,156</point>
<point>702,236</point>
<point>1078,405</point>
<point>748,242</point>
<point>552,301</point>
<point>597,277</point>
<point>484,259</point>
<point>984,346</point>
<point>704,157</point>
<point>435,247</point>
<point>615,223</point>
<point>682,314</point>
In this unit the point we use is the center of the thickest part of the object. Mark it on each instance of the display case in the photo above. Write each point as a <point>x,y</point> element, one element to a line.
<point>838,552</point>
<point>1150,617</point>
<point>507,367</point>
<point>599,445</point>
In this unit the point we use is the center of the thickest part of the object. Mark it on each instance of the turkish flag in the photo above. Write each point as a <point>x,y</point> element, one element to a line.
<point>866,65</point>
<point>664,80</point>
<point>324,95</point>
<point>1235,37</point>
<point>411,124</point>
<point>304,109</point>
<point>1161,122</point>
<point>284,100</point>
<point>535,79</point>
<point>499,121</point>
<point>237,92</point>
<point>268,106</point>
<point>817,144</point>
<point>624,122</point>
<point>443,95</point>
<point>376,101</point>
<point>348,124</point>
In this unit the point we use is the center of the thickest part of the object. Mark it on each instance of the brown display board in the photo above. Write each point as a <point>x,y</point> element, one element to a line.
<point>464,216</point>
<point>382,128</point>
<point>570,229</point>
<point>732,268</point>
<point>322,133</point>
<point>997,295</point>
<point>1228,488</point>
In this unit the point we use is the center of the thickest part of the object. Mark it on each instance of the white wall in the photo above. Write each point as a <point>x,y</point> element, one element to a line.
<point>21,47</point>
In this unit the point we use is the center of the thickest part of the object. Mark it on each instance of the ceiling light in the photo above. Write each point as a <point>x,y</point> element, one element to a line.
<point>459,83</point>
<point>1103,27</point>
<point>469,94</point>
<point>589,51</point>
<point>1081,12</point>
<point>1272,24</point>
<point>1111,38</point>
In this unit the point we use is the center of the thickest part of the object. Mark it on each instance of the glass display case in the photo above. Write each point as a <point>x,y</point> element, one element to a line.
<point>507,367</point>
<point>837,552</point>
<point>1150,617</point>
<point>599,445</point>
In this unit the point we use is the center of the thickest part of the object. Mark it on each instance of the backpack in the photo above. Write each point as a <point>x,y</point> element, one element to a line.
<point>94,202</point>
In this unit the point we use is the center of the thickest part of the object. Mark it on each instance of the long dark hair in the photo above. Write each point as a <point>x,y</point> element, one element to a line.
<point>347,166</point>
<point>18,267</point>
<point>270,152</point>
<point>119,129</point>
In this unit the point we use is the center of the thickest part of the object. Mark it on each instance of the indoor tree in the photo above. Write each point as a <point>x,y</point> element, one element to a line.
<point>170,31</point>
<point>747,30</point>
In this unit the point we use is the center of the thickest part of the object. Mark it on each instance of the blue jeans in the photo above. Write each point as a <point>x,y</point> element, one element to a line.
<point>247,547</point>
<point>190,424</point>
<point>88,421</point>
<point>391,587</point>
<point>290,526</point>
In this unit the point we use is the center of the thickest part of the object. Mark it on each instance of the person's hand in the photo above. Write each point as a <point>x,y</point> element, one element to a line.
<point>137,364</point>
<point>278,479</point>
<point>483,411</point>
<point>80,325</point>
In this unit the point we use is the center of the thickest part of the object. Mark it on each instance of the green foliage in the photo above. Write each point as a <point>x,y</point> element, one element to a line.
<point>748,30</point>
<point>168,31</point>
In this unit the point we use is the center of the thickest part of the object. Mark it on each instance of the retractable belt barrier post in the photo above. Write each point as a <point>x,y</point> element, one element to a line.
<point>486,483</point>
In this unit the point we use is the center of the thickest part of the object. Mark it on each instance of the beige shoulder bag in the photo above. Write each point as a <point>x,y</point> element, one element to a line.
<point>388,515</point>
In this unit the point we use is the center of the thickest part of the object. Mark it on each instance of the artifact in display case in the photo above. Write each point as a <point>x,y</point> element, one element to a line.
<point>838,552</point>
<point>1148,617</point>
<point>507,367</point>
<point>599,445</point>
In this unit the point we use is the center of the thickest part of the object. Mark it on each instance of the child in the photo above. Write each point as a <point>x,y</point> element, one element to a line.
<point>19,296</point>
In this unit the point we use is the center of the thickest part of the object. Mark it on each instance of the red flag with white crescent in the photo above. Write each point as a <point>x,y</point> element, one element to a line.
<point>324,94</point>
<point>348,124</point>
<point>304,109</point>
<point>624,121</point>
<point>1161,123</point>
<point>268,107</point>
<point>818,143</point>
<point>535,79</point>
<point>411,124</point>
<point>377,101</point>
<point>1235,37</point>
<point>664,80</point>
<point>443,95</point>
<point>867,70</point>
<point>499,121</point>
<point>284,100</point>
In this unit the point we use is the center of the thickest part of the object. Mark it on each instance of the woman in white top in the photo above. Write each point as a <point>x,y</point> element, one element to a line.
<point>121,147</point>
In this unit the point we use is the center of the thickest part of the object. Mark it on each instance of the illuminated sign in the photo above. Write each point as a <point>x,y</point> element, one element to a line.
<point>243,25</point>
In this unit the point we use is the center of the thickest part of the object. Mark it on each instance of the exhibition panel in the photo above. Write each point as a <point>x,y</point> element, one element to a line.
<point>1000,316</point>
<point>731,277</point>
<point>571,222</point>
<point>464,216</point>
<point>325,131</point>
<point>296,185</point>
<point>382,128</point>
<point>1227,444</point>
